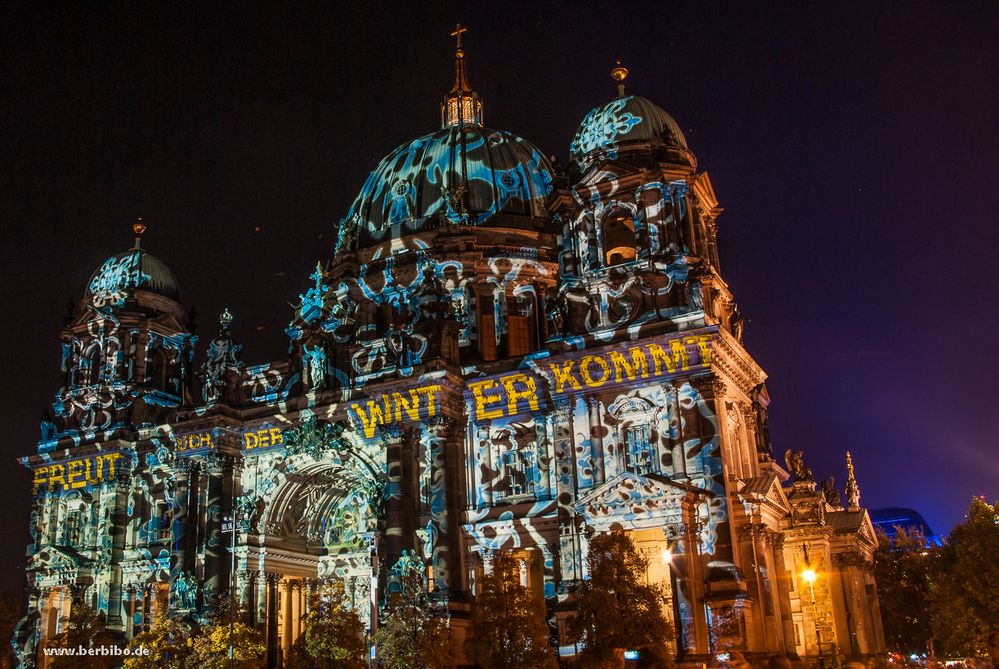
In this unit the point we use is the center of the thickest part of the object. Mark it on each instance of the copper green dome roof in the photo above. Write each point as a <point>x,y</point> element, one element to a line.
<point>624,121</point>
<point>119,276</point>
<point>462,173</point>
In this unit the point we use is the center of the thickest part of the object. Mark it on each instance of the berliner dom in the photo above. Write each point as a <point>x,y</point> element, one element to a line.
<point>500,353</point>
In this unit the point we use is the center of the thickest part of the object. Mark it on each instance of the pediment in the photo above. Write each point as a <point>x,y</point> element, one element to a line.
<point>56,558</point>
<point>632,493</point>
<point>867,529</point>
<point>766,489</point>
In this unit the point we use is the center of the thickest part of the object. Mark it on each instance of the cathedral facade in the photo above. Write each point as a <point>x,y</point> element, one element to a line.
<point>501,354</point>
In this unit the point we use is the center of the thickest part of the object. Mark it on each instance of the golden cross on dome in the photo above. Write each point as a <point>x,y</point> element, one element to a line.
<point>458,29</point>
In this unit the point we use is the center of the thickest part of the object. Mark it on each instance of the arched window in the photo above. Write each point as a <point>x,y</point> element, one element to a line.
<point>487,328</point>
<point>522,325</point>
<point>74,525</point>
<point>618,234</point>
<point>158,369</point>
<point>92,364</point>
<point>515,456</point>
<point>635,435</point>
<point>638,448</point>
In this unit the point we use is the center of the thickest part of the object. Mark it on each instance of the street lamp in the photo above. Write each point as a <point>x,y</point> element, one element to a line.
<point>808,575</point>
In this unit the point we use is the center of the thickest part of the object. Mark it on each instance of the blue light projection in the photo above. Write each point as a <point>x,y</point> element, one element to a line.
<point>113,282</point>
<point>467,374</point>
<point>603,126</point>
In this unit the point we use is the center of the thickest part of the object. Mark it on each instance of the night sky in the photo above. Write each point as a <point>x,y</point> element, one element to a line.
<point>853,147</point>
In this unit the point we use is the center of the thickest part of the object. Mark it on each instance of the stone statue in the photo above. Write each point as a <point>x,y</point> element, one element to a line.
<point>830,493</point>
<point>190,592</point>
<point>555,314</point>
<point>185,589</point>
<point>408,572</point>
<point>346,236</point>
<point>315,363</point>
<point>852,488</point>
<point>795,462</point>
<point>224,355</point>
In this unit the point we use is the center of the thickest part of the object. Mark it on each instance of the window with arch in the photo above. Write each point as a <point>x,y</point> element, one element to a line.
<point>638,449</point>
<point>635,435</point>
<point>158,369</point>
<point>516,458</point>
<point>487,328</point>
<point>522,325</point>
<point>73,524</point>
<point>618,233</point>
<point>92,365</point>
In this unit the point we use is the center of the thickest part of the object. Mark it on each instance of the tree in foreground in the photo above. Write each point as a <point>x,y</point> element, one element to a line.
<point>10,614</point>
<point>509,629</point>
<point>413,636</point>
<point>965,585</point>
<point>902,567</point>
<point>168,642</point>
<point>84,627</point>
<point>210,646</point>
<point>616,608</point>
<point>334,634</point>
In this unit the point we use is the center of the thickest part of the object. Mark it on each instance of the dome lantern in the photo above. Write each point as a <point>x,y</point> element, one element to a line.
<point>462,106</point>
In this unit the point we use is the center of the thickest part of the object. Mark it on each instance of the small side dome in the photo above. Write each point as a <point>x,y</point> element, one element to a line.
<point>117,279</point>
<point>626,122</point>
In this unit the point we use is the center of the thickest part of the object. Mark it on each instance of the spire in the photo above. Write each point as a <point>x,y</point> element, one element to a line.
<point>852,489</point>
<point>462,105</point>
<point>619,74</point>
<point>138,228</point>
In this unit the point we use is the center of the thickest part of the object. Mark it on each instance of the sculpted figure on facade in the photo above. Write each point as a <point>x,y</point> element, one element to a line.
<point>795,461</point>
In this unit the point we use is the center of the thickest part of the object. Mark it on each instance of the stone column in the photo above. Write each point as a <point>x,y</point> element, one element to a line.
<point>247,602</point>
<point>679,453</point>
<point>691,575</point>
<point>437,448</point>
<point>215,578</point>
<point>296,610</point>
<point>596,440</point>
<point>775,542</point>
<point>260,611</point>
<point>564,472</point>
<point>395,537</point>
<point>122,490</point>
<point>272,618</point>
<point>178,524</point>
<point>287,617</point>
<point>752,533</point>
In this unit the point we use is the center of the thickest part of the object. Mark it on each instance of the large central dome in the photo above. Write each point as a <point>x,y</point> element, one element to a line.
<point>462,169</point>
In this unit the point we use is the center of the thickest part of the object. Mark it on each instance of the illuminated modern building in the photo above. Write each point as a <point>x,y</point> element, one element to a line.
<point>499,354</point>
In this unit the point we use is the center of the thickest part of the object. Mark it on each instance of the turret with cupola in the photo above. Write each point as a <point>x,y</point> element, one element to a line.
<point>127,352</point>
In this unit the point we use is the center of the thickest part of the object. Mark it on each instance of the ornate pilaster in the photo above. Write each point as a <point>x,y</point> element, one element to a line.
<point>434,458</point>
<point>123,489</point>
<point>398,531</point>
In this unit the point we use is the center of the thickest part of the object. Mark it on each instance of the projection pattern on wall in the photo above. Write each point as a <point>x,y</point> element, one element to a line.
<point>461,175</point>
<point>602,126</point>
<point>479,367</point>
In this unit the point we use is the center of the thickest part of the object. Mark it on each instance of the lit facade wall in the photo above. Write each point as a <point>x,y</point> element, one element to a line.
<point>500,355</point>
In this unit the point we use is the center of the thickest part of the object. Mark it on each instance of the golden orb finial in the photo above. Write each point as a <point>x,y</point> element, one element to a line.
<point>138,228</point>
<point>619,74</point>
